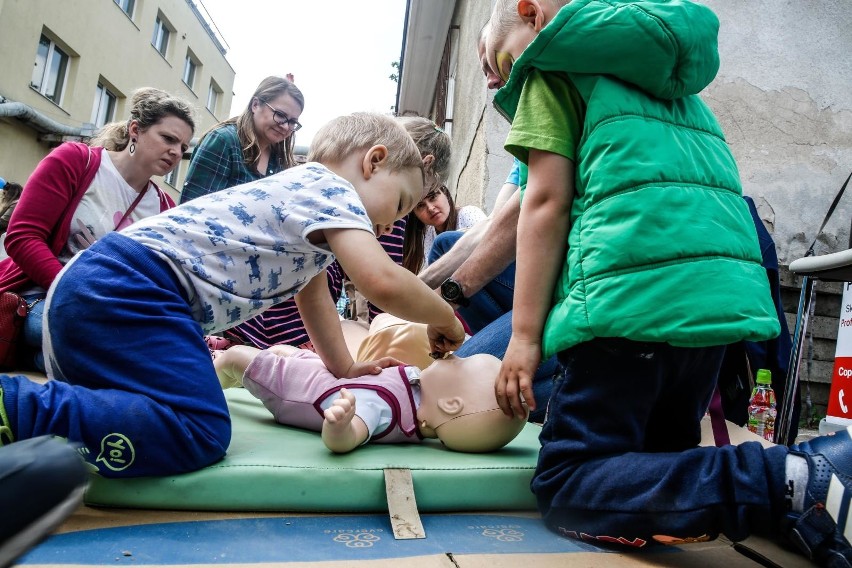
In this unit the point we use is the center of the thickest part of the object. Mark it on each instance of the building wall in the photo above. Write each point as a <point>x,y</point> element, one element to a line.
<point>479,165</point>
<point>105,46</point>
<point>782,96</point>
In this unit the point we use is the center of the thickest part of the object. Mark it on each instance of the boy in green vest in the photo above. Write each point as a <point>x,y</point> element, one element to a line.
<point>637,262</point>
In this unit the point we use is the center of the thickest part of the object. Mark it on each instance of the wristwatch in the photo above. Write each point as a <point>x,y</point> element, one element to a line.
<point>452,292</point>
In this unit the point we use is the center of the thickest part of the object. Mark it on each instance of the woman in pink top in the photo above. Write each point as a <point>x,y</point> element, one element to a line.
<point>79,193</point>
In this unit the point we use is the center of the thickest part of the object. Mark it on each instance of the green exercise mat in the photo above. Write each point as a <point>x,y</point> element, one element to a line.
<point>270,467</point>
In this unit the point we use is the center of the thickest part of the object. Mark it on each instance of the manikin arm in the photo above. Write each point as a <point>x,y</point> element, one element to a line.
<point>342,430</point>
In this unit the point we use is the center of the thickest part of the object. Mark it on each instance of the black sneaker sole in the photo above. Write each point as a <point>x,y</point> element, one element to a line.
<point>40,528</point>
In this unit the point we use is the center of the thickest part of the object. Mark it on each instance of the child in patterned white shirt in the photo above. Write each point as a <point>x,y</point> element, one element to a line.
<point>126,319</point>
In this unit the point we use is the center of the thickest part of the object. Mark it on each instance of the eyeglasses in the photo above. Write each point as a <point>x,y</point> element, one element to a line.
<point>282,119</point>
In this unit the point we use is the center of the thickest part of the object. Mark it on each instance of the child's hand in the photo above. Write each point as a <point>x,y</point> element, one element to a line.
<point>361,368</point>
<point>514,383</point>
<point>342,410</point>
<point>445,339</point>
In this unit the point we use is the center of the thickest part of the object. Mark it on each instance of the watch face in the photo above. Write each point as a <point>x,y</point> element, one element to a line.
<point>451,290</point>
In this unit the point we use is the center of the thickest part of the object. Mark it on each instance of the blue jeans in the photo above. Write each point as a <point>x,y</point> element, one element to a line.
<point>619,456</point>
<point>489,316</point>
<point>494,300</point>
<point>494,340</point>
<point>33,328</point>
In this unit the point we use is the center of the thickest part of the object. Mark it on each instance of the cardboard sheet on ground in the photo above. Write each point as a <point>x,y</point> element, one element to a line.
<point>270,467</point>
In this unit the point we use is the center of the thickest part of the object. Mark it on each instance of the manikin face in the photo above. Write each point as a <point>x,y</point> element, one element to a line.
<point>266,128</point>
<point>458,404</point>
<point>434,209</point>
<point>160,147</point>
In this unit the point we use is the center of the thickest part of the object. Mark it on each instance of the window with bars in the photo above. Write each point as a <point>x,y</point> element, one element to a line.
<point>50,70</point>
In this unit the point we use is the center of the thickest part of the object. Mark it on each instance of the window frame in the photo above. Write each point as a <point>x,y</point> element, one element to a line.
<point>103,92</point>
<point>191,66</point>
<point>162,35</point>
<point>171,178</point>
<point>126,6</point>
<point>214,91</point>
<point>47,70</point>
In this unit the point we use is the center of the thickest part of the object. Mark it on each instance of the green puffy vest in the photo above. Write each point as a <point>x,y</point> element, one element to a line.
<point>662,246</point>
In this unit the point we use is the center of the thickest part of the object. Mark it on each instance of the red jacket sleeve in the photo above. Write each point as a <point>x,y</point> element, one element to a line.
<point>36,228</point>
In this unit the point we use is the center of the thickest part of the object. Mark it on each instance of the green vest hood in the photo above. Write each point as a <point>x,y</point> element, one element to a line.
<point>666,48</point>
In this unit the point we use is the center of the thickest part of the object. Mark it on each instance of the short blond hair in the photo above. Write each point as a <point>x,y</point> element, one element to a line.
<point>360,131</point>
<point>504,17</point>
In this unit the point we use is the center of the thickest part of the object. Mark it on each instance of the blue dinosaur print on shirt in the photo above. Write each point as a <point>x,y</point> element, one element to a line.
<point>217,228</point>
<point>274,280</point>
<point>299,264</point>
<point>355,209</point>
<point>225,260</point>
<point>208,313</point>
<point>181,220</point>
<point>254,267</point>
<point>242,215</point>
<point>257,194</point>
<point>189,246</point>
<point>330,192</point>
<point>151,234</point>
<point>198,267</point>
<point>234,314</point>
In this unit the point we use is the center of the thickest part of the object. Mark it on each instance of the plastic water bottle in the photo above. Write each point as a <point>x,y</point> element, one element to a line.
<point>761,407</point>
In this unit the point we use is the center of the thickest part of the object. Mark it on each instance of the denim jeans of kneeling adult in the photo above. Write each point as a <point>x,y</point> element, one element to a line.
<point>495,298</point>
<point>33,326</point>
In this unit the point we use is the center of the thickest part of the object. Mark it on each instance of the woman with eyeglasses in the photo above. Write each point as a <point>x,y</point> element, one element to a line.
<point>257,143</point>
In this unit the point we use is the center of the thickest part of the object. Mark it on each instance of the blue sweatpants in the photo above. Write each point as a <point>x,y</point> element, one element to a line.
<point>135,383</point>
<point>619,462</point>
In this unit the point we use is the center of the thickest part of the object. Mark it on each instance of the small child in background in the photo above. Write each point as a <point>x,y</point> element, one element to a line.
<point>126,318</point>
<point>452,399</point>
<point>637,262</point>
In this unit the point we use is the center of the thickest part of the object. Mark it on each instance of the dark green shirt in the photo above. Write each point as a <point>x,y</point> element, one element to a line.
<point>218,163</point>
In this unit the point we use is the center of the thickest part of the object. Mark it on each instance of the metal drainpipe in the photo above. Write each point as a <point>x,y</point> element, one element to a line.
<point>41,122</point>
